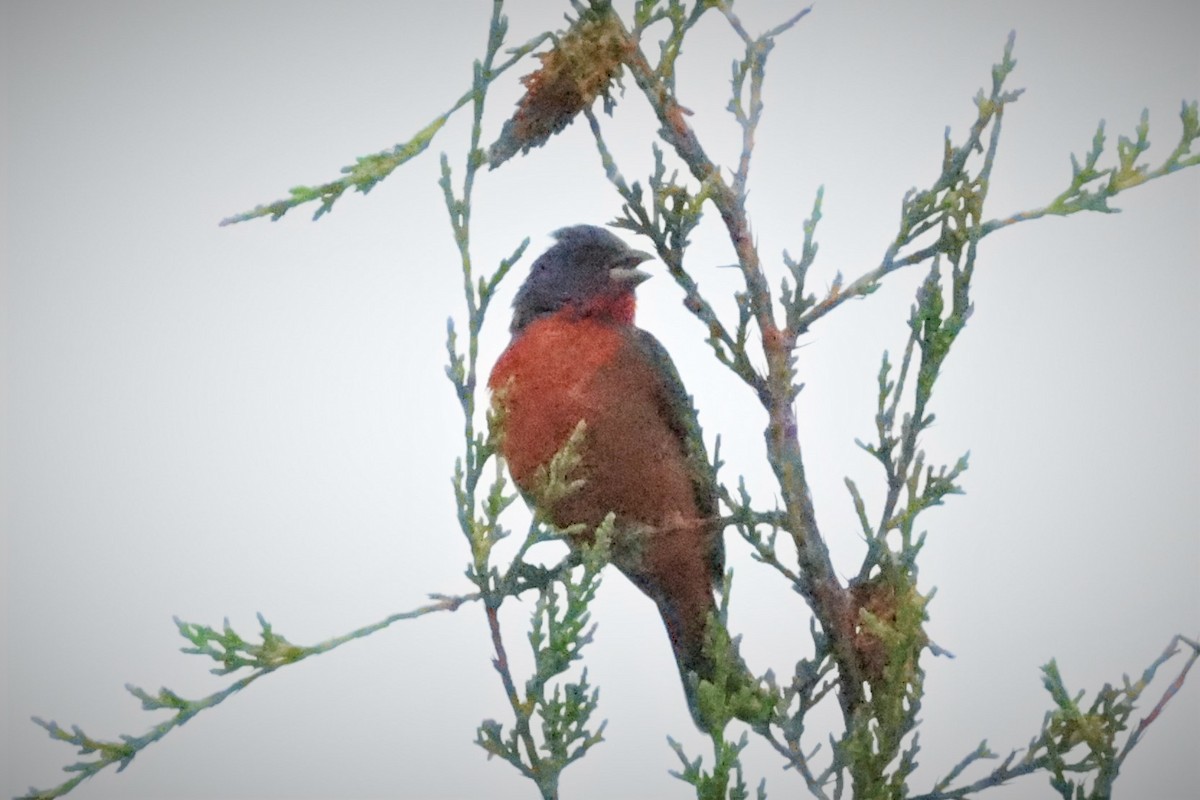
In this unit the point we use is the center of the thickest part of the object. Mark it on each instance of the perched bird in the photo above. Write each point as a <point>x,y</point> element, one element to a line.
<point>576,355</point>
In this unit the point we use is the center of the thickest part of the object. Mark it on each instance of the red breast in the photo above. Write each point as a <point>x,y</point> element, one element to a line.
<point>564,368</point>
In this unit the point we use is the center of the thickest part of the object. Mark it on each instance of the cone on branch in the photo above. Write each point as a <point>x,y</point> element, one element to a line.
<point>583,65</point>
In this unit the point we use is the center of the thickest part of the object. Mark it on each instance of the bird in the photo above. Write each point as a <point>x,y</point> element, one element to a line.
<point>577,356</point>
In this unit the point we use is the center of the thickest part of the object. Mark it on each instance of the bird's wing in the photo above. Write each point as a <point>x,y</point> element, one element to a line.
<point>680,414</point>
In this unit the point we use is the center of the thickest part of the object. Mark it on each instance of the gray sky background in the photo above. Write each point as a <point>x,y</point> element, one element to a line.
<point>213,422</point>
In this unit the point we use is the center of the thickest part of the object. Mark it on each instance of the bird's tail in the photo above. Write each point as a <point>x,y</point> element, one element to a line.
<point>717,683</point>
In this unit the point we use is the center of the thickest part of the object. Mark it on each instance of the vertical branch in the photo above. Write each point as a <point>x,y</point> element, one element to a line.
<point>463,371</point>
<point>820,586</point>
<point>559,631</point>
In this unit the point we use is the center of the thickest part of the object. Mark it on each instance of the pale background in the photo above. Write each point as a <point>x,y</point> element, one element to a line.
<point>210,422</point>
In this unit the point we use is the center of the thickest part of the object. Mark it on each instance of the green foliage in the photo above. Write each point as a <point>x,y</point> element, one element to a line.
<point>367,171</point>
<point>361,176</point>
<point>1091,187</point>
<point>1076,740</point>
<point>727,768</point>
<point>794,301</point>
<point>233,653</point>
<point>555,480</point>
<point>680,19</point>
<point>731,692</point>
<point>892,615</point>
<point>560,628</point>
<point>1071,727</point>
<point>729,695</point>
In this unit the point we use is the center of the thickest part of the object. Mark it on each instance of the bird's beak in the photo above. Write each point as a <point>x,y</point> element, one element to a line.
<point>631,276</point>
<point>627,277</point>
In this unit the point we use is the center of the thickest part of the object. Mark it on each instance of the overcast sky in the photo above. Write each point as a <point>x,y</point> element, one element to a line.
<point>211,422</point>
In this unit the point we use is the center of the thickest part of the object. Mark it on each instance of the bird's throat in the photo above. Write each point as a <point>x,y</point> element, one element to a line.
<point>621,307</point>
